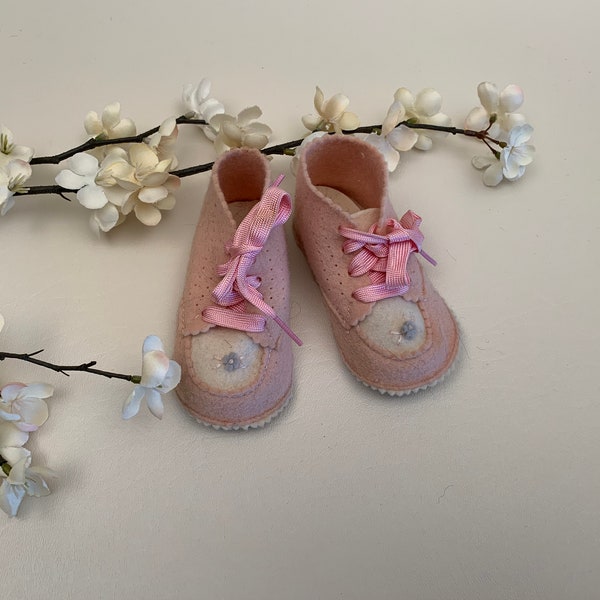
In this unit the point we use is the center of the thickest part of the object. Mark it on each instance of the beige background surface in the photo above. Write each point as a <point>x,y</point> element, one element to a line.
<point>485,487</point>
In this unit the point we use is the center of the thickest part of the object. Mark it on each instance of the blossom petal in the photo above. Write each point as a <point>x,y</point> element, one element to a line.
<point>515,174</point>
<point>83,164</point>
<point>511,98</point>
<point>125,128</point>
<point>395,114</point>
<point>152,342</point>
<point>391,156</point>
<point>11,497</point>
<point>172,378</point>
<point>524,154</point>
<point>167,203</point>
<point>512,120</point>
<point>349,121</point>
<point>35,484</point>
<point>19,459</point>
<point>319,99</point>
<point>117,195</point>
<point>492,176</point>
<point>482,162</point>
<point>217,121</point>
<point>111,115</point>
<point>143,157</point>
<point>488,96</point>
<point>33,411</point>
<point>9,201</point>
<point>92,196</point>
<point>9,416</point>
<point>155,403</point>
<point>311,122</point>
<point>18,169</point>
<point>233,134</point>
<point>11,391</point>
<point>403,138</point>
<point>147,214</point>
<point>404,95</point>
<point>203,89</point>
<point>520,134</point>
<point>428,102</point>
<point>11,435</point>
<point>155,179</point>
<point>424,143</point>
<point>132,404</point>
<point>189,97</point>
<point>155,365</point>
<point>477,119</point>
<point>255,140</point>
<point>334,107</point>
<point>92,124</point>
<point>248,114</point>
<point>107,217</point>
<point>261,128</point>
<point>210,108</point>
<point>22,152</point>
<point>70,180</point>
<point>150,195</point>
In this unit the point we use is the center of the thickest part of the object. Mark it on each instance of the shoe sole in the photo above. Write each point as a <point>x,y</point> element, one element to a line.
<point>254,424</point>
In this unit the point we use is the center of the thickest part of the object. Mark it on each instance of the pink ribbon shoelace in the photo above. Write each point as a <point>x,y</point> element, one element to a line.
<point>237,287</point>
<point>384,256</point>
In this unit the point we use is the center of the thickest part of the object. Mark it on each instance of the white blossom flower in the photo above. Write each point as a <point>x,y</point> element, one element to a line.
<point>307,140</point>
<point>499,105</point>
<point>331,114</point>
<point>393,139</point>
<point>24,405</point>
<point>164,140</point>
<point>159,376</point>
<point>491,167</point>
<point>424,108</point>
<point>12,177</point>
<point>514,157</point>
<point>110,125</point>
<point>142,183</point>
<point>21,479</point>
<point>240,131</point>
<point>517,154</point>
<point>197,99</point>
<point>80,174</point>
<point>9,150</point>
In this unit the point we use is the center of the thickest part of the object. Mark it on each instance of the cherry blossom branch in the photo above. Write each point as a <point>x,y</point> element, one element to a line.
<point>84,367</point>
<point>281,149</point>
<point>96,143</point>
<point>278,149</point>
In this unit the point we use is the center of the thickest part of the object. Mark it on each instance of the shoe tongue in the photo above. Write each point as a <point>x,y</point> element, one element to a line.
<point>363,219</point>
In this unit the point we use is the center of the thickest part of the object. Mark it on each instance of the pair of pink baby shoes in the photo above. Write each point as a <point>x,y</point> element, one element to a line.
<point>393,330</point>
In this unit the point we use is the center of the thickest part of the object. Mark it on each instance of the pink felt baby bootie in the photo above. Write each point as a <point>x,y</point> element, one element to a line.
<point>393,330</point>
<point>232,342</point>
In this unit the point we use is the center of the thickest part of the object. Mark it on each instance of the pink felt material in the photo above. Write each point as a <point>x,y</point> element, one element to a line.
<point>239,176</point>
<point>358,170</point>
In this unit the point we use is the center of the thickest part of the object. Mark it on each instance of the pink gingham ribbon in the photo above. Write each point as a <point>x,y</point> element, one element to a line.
<point>384,256</point>
<point>237,287</point>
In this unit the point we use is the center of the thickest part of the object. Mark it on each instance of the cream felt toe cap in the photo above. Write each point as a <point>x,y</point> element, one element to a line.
<point>242,387</point>
<point>372,351</point>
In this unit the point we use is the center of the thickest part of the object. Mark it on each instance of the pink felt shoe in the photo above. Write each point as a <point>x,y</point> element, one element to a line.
<point>233,343</point>
<point>393,330</point>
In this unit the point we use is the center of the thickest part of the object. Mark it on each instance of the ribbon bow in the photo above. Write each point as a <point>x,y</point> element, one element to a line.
<point>384,257</point>
<point>237,287</point>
